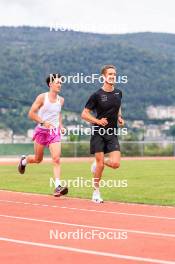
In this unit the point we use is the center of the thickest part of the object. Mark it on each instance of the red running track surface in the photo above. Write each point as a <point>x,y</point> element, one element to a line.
<point>143,233</point>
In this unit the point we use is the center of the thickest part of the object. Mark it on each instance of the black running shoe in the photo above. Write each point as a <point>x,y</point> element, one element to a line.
<point>60,191</point>
<point>21,168</point>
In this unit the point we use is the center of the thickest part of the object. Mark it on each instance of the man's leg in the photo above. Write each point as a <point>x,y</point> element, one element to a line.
<point>99,157</point>
<point>38,154</point>
<point>99,166</point>
<point>55,151</point>
<point>113,161</point>
<point>36,158</point>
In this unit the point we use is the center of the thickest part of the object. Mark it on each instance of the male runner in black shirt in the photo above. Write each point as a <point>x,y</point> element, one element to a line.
<point>106,102</point>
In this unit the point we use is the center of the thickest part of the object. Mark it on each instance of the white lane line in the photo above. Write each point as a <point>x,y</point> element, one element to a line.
<point>91,210</point>
<point>132,204</point>
<point>90,226</point>
<point>86,251</point>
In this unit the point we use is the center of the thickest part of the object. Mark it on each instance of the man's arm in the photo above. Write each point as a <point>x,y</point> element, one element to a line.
<point>120,118</point>
<point>87,116</point>
<point>34,109</point>
<point>120,111</point>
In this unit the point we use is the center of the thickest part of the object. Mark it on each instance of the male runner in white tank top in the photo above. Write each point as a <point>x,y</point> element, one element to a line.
<point>46,111</point>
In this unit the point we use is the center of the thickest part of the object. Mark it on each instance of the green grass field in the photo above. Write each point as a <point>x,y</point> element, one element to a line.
<point>149,181</point>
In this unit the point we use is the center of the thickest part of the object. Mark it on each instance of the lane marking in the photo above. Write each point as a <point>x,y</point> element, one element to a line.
<point>90,226</point>
<point>90,210</point>
<point>86,251</point>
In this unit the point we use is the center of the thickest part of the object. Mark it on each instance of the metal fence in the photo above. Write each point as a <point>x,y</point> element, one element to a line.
<point>81,149</point>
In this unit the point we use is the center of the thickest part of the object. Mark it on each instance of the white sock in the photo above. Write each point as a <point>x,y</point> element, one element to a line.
<point>57,182</point>
<point>96,190</point>
<point>24,162</point>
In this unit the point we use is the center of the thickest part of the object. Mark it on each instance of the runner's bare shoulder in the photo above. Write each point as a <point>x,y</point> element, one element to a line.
<point>40,99</point>
<point>62,100</point>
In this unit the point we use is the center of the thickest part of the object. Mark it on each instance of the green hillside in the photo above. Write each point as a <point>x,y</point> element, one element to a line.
<point>28,55</point>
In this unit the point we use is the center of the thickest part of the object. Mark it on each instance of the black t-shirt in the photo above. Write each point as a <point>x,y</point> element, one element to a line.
<point>106,105</point>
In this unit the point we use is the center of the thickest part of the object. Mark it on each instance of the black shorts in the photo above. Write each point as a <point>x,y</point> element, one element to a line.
<point>104,143</point>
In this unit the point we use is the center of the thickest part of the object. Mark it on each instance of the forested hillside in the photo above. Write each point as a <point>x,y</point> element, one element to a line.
<point>28,55</point>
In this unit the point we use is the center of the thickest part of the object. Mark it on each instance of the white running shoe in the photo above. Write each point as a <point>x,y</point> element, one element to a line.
<point>93,167</point>
<point>96,198</point>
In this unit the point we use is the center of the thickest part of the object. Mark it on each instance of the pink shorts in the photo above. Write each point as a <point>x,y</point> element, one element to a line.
<point>44,136</point>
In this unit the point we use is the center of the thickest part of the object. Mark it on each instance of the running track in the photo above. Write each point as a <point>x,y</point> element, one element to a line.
<point>26,221</point>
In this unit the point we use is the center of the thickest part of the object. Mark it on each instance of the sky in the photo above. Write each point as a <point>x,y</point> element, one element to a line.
<point>101,16</point>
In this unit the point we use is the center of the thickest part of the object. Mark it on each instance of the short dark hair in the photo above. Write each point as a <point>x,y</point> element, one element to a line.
<point>52,77</point>
<point>106,67</point>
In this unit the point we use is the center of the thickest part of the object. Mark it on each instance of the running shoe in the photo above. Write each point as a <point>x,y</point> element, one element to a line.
<point>60,191</point>
<point>21,167</point>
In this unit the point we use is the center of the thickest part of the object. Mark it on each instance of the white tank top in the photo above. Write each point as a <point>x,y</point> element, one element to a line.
<point>50,111</point>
